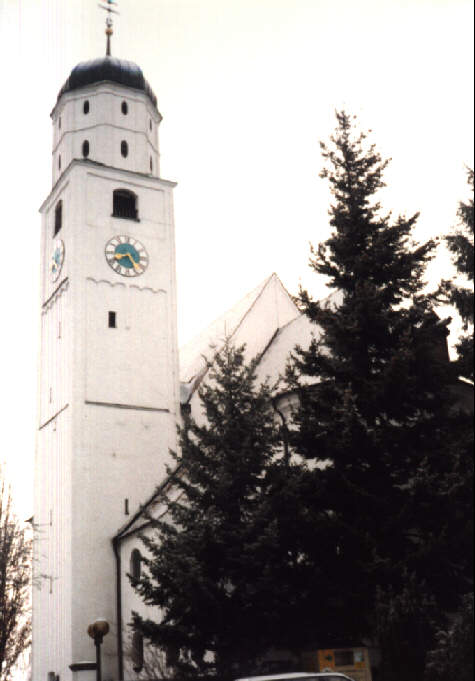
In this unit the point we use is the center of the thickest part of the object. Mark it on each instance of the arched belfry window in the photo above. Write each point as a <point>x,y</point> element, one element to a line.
<point>135,564</point>
<point>124,204</point>
<point>137,652</point>
<point>58,217</point>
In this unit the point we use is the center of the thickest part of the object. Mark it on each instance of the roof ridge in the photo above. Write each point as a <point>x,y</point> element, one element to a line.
<point>264,286</point>
<point>259,288</point>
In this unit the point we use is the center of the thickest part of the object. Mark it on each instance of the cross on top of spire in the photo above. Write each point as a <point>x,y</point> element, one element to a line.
<point>109,30</point>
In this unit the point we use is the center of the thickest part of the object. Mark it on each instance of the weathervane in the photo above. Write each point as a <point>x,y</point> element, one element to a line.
<point>109,30</point>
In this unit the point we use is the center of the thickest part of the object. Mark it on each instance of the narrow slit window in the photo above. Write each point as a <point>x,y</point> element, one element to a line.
<point>135,564</point>
<point>124,148</point>
<point>112,318</point>
<point>151,164</point>
<point>137,652</point>
<point>59,162</point>
<point>58,217</point>
<point>85,148</point>
<point>125,108</point>
<point>85,107</point>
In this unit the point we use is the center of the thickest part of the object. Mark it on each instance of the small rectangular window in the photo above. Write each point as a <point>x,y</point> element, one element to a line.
<point>112,320</point>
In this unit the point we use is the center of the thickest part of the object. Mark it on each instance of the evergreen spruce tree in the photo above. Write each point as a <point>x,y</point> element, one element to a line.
<point>452,658</point>
<point>377,412</point>
<point>461,295</point>
<point>225,569</point>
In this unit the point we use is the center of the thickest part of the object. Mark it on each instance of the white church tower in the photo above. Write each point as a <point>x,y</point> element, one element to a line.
<point>109,394</point>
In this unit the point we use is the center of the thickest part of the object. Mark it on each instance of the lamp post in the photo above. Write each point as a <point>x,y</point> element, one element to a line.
<point>97,631</point>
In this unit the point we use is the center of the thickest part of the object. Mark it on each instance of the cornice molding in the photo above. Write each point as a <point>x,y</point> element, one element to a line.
<point>84,162</point>
<point>66,133</point>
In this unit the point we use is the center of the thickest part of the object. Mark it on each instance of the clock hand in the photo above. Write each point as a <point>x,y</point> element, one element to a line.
<point>135,264</point>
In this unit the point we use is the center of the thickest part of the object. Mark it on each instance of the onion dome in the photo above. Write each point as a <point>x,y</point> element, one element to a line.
<point>107,69</point>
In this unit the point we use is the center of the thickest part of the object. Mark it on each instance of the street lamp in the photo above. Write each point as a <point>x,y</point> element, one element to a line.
<point>97,631</point>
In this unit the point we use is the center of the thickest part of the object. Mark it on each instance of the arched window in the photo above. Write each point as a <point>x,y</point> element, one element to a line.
<point>58,217</point>
<point>151,164</point>
<point>85,148</point>
<point>85,106</point>
<point>137,652</point>
<point>135,564</point>
<point>124,108</point>
<point>124,148</point>
<point>124,204</point>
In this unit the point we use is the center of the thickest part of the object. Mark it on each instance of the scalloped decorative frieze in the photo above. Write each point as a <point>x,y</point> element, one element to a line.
<point>148,288</point>
<point>113,284</point>
<point>110,283</point>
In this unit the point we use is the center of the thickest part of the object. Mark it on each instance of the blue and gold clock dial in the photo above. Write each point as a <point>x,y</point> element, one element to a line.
<point>126,255</point>
<point>57,259</point>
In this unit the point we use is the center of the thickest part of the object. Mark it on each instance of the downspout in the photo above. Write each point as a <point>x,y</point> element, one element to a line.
<point>116,547</point>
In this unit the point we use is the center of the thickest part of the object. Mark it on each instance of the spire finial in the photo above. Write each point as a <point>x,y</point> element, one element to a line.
<point>109,29</point>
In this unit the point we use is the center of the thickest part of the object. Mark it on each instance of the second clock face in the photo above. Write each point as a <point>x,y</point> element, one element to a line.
<point>57,259</point>
<point>126,255</point>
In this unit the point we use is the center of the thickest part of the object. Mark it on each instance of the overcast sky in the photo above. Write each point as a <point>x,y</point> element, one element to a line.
<point>247,88</point>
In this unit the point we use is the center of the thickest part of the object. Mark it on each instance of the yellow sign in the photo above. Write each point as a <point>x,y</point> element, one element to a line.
<point>351,661</point>
<point>326,661</point>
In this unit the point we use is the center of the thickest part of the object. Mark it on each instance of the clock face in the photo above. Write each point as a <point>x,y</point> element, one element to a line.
<point>57,259</point>
<point>126,256</point>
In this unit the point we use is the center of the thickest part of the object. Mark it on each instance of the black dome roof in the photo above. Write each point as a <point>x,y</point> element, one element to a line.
<point>107,69</point>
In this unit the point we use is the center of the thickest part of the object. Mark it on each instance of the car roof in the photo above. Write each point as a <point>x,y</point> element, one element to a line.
<point>295,675</point>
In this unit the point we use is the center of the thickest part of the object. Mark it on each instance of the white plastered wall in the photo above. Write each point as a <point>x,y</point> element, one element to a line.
<point>108,404</point>
<point>105,126</point>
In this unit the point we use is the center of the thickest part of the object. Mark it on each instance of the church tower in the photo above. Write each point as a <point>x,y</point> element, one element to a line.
<point>108,391</point>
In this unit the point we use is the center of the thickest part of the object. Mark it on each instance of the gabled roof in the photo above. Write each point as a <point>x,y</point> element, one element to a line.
<point>270,324</point>
<point>275,357</point>
<point>254,321</point>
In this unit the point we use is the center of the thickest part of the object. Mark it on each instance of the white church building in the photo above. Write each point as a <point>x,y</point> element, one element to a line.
<point>112,383</point>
